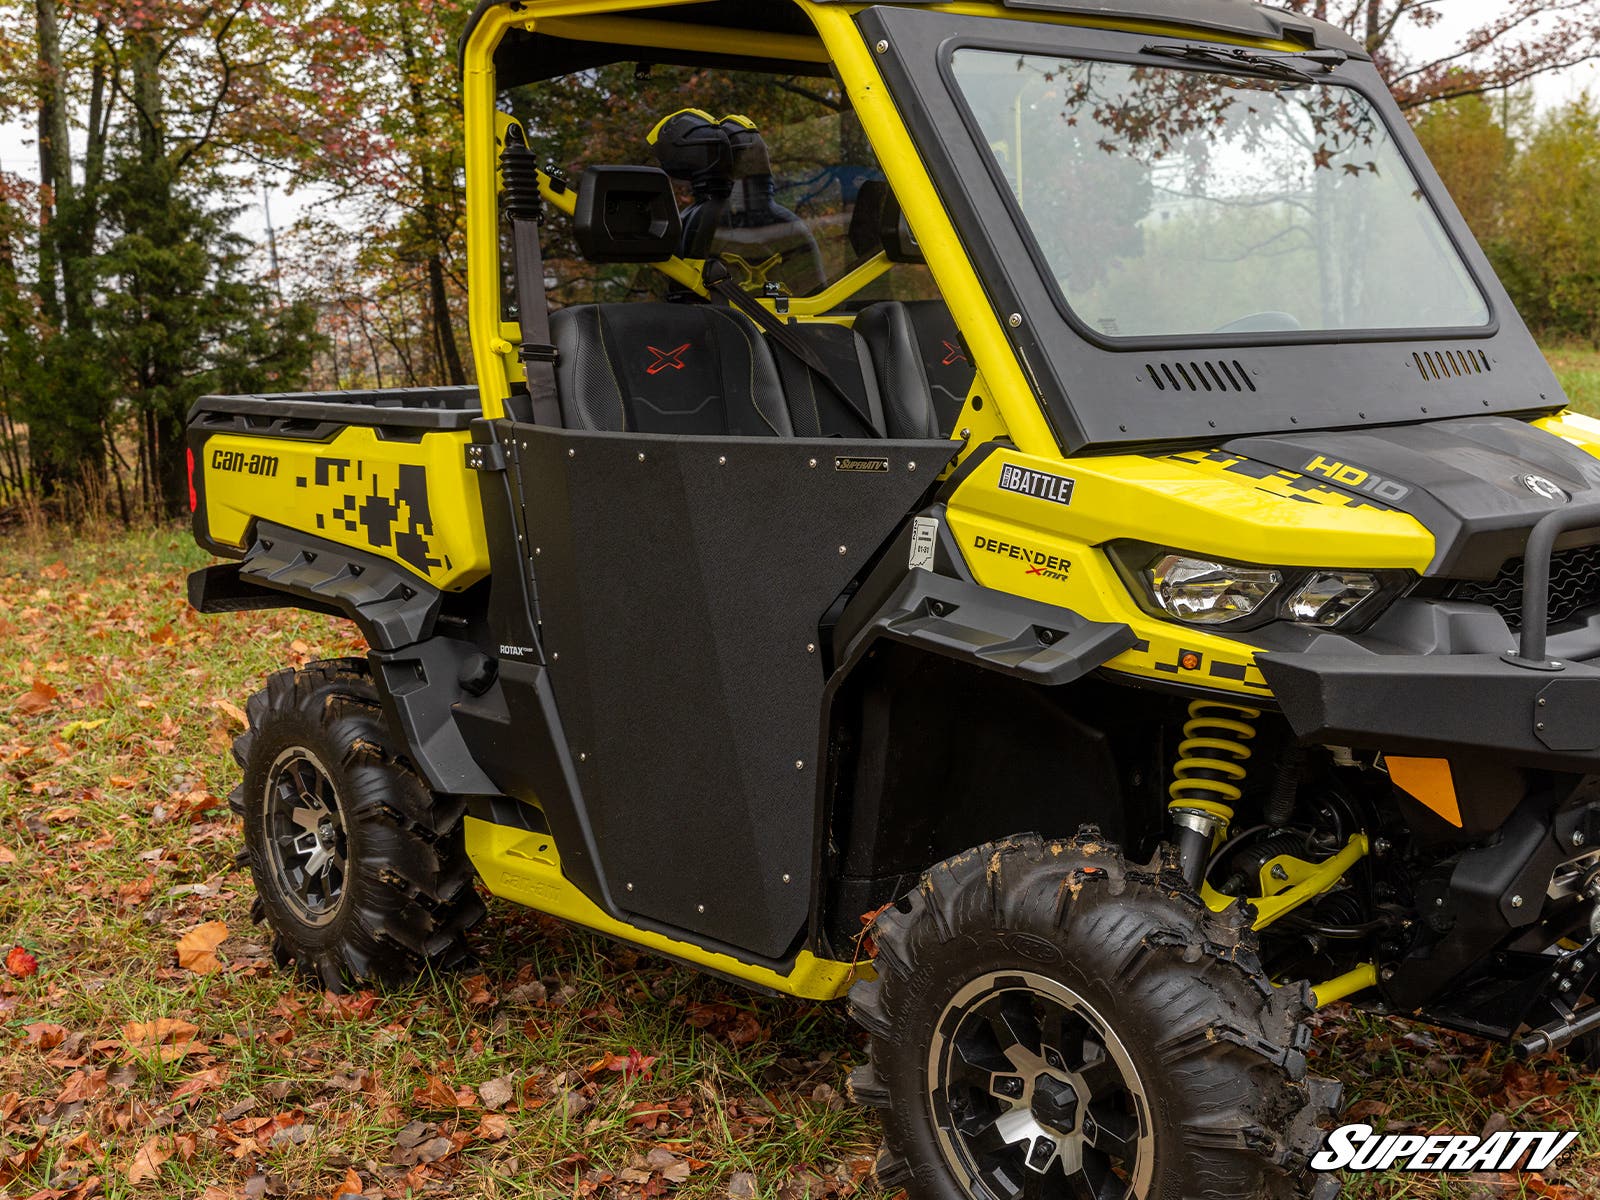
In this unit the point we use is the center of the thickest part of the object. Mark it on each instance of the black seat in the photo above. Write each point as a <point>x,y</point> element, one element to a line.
<point>667,368</point>
<point>922,368</point>
<point>815,409</point>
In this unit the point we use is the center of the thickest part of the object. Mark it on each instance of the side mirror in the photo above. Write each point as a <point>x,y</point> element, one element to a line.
<point>626,215</point>
<point>879,225</point>
<point>899,243</point>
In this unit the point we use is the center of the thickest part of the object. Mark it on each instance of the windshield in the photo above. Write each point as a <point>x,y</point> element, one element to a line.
<point>1176,201</point>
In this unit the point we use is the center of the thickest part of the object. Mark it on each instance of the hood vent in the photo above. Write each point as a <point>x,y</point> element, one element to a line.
<point>1441,366</point>
<point>1203,375</point>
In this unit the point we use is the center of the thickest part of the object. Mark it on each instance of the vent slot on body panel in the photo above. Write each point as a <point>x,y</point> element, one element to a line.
<point>1439,366</point>
<point>1200,375</point>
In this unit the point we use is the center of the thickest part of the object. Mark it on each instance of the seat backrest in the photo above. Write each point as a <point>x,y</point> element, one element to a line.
<point>815,409</point>
<point>923,371</point>
<point>666,368</point>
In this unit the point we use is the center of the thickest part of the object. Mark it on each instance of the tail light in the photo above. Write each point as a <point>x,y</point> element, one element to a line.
<point>194,499</point>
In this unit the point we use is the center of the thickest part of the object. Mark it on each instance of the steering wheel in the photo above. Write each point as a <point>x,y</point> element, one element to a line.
<point>1262,322</point>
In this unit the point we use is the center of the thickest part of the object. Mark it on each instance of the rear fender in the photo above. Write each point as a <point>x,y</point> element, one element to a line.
<point>285,569</point>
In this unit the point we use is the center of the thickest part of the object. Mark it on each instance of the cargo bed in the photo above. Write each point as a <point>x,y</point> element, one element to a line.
<point>379,472</point>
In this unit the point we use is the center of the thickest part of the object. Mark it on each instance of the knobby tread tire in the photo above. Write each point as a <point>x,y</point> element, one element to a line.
<point>1220,1051</point>
<point>410,893</point>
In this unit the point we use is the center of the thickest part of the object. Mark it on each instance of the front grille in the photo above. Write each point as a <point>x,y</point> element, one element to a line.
<point>1574,586</point>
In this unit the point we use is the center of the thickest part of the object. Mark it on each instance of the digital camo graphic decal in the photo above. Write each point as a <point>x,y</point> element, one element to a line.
<point>393,515</point>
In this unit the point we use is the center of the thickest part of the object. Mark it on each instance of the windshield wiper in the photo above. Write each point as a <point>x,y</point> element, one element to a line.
<point>1277,66</point>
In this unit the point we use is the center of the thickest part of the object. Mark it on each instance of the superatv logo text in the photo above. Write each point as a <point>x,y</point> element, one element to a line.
<point>1359,1148</point>
<point>245,464</point>
<point>1357,479</point>
<point>1039,563</point>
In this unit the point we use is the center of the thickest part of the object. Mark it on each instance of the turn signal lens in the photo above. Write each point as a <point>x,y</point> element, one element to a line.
<point>1202,592</point>
<point>1328,597</point>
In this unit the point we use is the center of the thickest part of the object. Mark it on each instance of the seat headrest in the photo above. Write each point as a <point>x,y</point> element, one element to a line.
<point>751,158</point>
<point>692,146</point>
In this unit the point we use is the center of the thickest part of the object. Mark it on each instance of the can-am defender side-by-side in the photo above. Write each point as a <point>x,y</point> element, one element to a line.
<point>1055,479</point>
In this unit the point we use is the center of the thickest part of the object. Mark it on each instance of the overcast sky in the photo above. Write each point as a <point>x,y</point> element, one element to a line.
<point>18,153</point>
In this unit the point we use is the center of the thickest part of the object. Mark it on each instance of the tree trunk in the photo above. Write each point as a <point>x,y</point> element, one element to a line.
<point>444,328</point>
<point>447,353</point>
<point>62,409</point>
<point>55,153</point>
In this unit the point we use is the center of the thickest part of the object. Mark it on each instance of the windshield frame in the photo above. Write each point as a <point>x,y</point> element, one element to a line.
<point>1177,341</point>
<point>1098,396</point>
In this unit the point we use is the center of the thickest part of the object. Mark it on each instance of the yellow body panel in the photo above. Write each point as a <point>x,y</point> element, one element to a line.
<point>1009,539</point>
<point>1581,431</point>
<point>525,868</point>
<point>414,503</point>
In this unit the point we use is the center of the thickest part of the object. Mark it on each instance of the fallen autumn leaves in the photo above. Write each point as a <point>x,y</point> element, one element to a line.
<point>155,1048</point>
<point>150,1046</point>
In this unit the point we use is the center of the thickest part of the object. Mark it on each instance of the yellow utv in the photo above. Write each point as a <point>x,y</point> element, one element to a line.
<point>1034,516</point>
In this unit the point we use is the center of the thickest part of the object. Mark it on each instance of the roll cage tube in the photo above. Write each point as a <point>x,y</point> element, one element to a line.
<point>1013,404</point>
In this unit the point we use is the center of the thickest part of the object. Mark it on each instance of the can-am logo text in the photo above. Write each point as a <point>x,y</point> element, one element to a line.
<point>1361,1148</point>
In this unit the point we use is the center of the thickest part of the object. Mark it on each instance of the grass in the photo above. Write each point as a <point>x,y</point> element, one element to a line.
<point>114,842</point>
<point>1578,368</point>
<point>532,1077</point>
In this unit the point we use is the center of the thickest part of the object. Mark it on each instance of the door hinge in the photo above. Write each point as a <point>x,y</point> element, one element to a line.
<point>486,456</point>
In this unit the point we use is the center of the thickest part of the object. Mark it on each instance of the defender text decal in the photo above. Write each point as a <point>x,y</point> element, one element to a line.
<point>1049,566</point>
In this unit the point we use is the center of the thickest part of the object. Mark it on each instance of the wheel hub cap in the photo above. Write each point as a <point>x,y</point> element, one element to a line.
<point>1055,1103</point>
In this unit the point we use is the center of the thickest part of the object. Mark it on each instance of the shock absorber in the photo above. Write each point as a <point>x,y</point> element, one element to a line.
<point>1212,762</point>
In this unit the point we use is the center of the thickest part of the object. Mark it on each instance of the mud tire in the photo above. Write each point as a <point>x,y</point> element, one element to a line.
<point>408,893</point>
<point>1220,1054</point>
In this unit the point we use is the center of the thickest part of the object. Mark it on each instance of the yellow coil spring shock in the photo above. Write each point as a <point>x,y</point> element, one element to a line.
<point>1212,762</point>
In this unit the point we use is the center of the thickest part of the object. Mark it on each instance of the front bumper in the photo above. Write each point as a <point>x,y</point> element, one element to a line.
<point>1521,707</point>
<point>1442,706</point>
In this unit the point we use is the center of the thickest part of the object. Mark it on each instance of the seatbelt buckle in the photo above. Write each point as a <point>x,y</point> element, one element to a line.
<point>538,352</point>
<point>713,272</point>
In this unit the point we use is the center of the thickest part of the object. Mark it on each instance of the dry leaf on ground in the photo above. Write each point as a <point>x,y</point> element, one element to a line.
<point>197,949</point>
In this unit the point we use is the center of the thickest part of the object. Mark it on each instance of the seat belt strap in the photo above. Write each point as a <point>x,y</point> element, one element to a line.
<point>719,281</point>
<point>520,169</point>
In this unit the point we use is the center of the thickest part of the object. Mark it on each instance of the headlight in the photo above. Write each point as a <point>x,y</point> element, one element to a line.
<point>1204,591</point>
<point>1328,597</point>
<point>1201,592</point>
